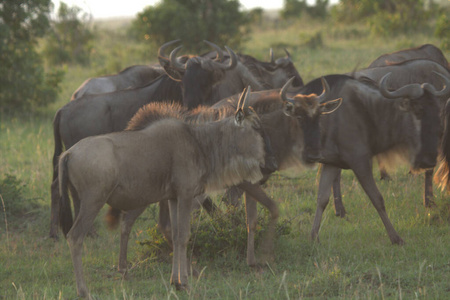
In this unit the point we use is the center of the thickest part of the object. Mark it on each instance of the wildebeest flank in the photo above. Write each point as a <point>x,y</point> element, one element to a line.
<point>129,170</point>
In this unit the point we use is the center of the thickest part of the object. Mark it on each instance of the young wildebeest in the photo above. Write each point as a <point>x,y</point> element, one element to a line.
<point>129,170</point>
<point>376,122</point>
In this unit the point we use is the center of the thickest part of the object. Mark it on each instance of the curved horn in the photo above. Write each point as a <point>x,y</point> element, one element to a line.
<point>249,90</point>
<point>445,90</point>
<point>173,59</point>
<point>326,89</point>
<point>411,91</point>
<point>244,92</point>
<point>164,46</point>
<point>219,56</point>
<point>233,59</point>
<point>287,53</point>
<point>285,88</point>
<point>272,61</point>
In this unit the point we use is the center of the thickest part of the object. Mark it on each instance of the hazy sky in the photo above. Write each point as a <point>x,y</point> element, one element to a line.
<point>109,8</point>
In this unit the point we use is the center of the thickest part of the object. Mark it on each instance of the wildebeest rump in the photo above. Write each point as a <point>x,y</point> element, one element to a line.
<point>426,51</point>
<point>130,77</point>
<point>370,124</point>
<point>131,169</point>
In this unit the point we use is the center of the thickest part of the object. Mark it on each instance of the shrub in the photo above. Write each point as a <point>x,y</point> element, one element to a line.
<point>13,202</point>
<point>442,31</point>
<point>222,234</point>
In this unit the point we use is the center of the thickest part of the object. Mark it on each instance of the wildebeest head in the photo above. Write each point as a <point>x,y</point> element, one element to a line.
<point>307,109</point>
<point>420,100</point>
<point>283,69</point>
<point>198,74</point>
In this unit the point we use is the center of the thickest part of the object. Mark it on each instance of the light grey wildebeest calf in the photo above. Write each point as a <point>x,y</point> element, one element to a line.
<point>131,169</point>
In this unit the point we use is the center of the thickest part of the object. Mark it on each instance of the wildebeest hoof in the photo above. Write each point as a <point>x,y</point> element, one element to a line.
<point>181,287</point>
<point>398,241</point>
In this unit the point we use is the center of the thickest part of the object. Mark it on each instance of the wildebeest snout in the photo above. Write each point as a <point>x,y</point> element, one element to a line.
<point>312,154</point>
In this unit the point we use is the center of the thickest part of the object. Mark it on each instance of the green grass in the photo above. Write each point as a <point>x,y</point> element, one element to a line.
<point>354,258</point>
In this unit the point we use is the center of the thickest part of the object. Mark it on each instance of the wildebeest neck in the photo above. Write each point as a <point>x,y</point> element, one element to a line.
<point>230,163</point>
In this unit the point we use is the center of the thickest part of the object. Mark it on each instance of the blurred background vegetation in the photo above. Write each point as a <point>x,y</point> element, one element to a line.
<point>37,45</point>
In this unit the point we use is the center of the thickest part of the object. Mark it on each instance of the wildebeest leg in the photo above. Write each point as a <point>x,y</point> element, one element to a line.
<point>339,209</point>
<point>76,207</point>
<point>251,213</point>
<point>209,205</point>
<point>428,192</point>
<point>54,209</point>
<point>255,192</point>
<point>128,219</point>
<point>327,178</point>
<point>76,235</point>
<point>232,196</point>
<point>180,215</point>
<point>164,222</point>
<point>363,172</point>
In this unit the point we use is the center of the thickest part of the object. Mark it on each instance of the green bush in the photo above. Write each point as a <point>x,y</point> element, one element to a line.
<point>70,39</point>
<point>442,31</point>
<point>24,84</point>
<point>219,21</point>
<point>13,203</point>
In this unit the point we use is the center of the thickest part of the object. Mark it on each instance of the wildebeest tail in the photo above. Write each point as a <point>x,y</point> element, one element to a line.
<point>441,177</point>
<point>58,144</point>
<point>65,213</point>
<point>113,217</point>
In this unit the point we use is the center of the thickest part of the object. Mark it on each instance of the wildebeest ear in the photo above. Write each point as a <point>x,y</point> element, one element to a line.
<point>404,104</point>
<point>289,108</point>
<point>173,73</point>
<point>239,116</point>
<point>330,106</point>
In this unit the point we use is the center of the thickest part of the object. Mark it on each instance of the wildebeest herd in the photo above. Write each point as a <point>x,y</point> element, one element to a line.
<point>173,132</point>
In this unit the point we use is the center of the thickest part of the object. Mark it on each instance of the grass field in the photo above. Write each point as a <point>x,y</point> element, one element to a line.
<point>354,258</point>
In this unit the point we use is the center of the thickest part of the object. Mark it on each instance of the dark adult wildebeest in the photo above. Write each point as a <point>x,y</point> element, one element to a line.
<point>369,123</point>
<point>129,170</point>
<point>204,84</point>
<point>292,125</point>
<point>426,51</point>
<point>131,77</point>
<point>403,73</point>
